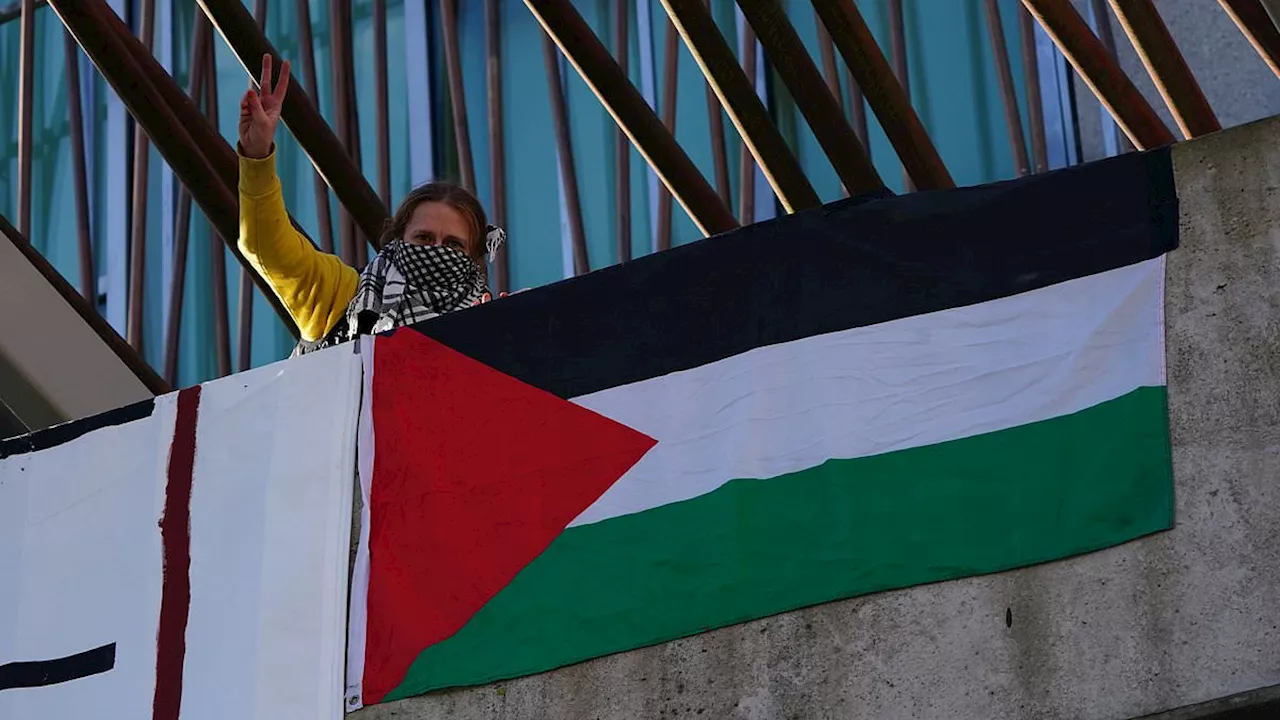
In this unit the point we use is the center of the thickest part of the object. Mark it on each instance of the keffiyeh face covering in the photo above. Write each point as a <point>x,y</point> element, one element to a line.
<point>406,284</point>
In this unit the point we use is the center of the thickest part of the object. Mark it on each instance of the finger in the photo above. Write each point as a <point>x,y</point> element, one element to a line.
<point>282,84</point>
<point>264,83</point>
<point>255,106</point>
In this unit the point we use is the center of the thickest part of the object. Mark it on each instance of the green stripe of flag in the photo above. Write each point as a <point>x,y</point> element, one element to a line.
<point>753,548</point>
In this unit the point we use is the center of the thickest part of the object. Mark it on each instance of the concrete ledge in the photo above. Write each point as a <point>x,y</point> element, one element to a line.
<point>1171,620</point>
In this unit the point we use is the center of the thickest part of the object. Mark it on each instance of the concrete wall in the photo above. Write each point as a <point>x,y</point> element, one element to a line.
<point>1173,619</point>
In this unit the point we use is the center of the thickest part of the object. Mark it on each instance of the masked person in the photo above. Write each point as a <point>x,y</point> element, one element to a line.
<point>433,249</point>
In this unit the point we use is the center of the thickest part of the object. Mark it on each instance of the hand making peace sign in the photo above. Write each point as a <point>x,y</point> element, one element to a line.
<point>260,111</point>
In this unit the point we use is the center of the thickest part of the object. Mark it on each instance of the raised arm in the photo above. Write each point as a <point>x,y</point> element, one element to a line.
<point>314,286</point>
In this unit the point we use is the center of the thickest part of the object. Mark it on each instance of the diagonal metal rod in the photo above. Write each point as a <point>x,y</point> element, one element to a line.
<point>87,311</point>
<point>1031,80</point>
<point>564,149</point>
<point>170,117</point>
<point>621,150</point>
<point>237,28</point>
<point>75,117</point>
<point>1146,30</point>
<point>792,63</point>
<point>1254,21</point>
<point>628,107</point>
<point>884,93</point>
<point>1100,72</point>
<point>1009,96</point>
<point>737,93</point>
<point>497,149</point>
<point>182,225</point>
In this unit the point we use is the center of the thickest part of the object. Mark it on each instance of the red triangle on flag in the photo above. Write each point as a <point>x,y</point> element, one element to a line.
<point>475,473</point>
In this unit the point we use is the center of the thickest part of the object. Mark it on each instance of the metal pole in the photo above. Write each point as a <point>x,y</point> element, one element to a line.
<point>621,150</point>
<point>1012,118</point>
<point>26,102</point>
<point>792,62</point>
<point>1100,72</point>
<point>719,156</point>
<point>746,161</point>
<point>338,19</point>
<point>75,116</point>
<point>1252,19</point>
<point>182,225</point>
<point>670,82</point>
<point>628,107</point>
<point>302,9</point>
<point>217,246</point>
<point>886,95</point>
<point>141,173</point>
<point>898,46</point>
<point>383,120</point>
<point>1146,30</point>
<point>497,149</point>
<point>564,145</point>
<point>457,95</point>
<point>1098,9</point>
<point>1031,79</point>
<point>14,11</point>
<point>736,89</point>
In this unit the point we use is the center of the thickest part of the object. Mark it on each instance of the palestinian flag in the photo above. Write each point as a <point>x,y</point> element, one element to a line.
<point>866,396</point>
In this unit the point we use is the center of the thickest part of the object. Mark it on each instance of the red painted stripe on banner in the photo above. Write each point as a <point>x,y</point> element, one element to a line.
<point>175,535</point>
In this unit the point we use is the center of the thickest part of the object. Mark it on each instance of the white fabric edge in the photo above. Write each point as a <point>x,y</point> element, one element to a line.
<point>346,457</point>
<point>358,609</point>
<point>1161,330</point>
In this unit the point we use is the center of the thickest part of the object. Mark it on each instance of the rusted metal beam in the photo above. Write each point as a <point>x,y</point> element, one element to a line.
<point>497,146</point>
<point>141,173</point>
<point>628,107</point>
<point>75,117</point>
<point>621,150</point>
<point>1146,30</point>
<point>26,103</point>
<point>737,92</point>
<point>1031,80</point>
<point>886,95</point>
<point>719,156</point>
<point>746,162</point>
<point>1009,96</point>
<point>1252,19</point>
<point>670,84</point>
<point>156,102</point>
<point>218,253</point>
<point>1100,72</point>
<point>382,120</point>
<point>564,149</point>
<point>302,10</point>
<point>320,143</point>
<point>457,93</point>
<point>87,311</point>
<point>182,224</point>
<point>792,62</point>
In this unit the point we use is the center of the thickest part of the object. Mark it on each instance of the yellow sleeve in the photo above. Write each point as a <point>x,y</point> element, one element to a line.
<point>314,286</point>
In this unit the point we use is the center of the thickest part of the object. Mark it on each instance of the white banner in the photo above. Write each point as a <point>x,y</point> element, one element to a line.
<point>139,579</point>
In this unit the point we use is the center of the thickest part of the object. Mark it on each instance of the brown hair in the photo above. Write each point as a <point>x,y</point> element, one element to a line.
<point>456,197</point>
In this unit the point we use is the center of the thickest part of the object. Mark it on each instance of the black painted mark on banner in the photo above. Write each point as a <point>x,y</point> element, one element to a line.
<point>39,673</point>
